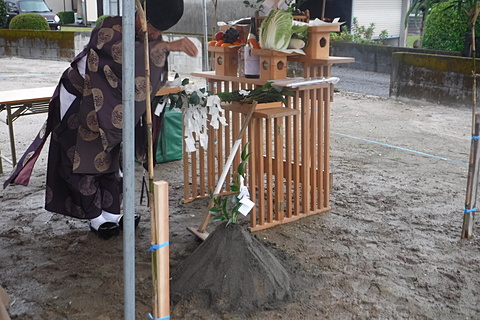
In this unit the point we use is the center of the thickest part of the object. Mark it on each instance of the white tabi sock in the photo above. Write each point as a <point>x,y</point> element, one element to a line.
<point>111,217</point>
<point>97,222</point>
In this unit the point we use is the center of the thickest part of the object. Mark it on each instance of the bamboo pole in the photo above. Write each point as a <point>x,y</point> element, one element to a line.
<point>162,261</point>
<point>151,174</point>
<point>148,110</point>
<point>472,178</point>
<point>472,183</point>
<point>323,9</point>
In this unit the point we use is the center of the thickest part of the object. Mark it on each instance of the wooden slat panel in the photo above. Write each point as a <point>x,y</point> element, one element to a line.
<point>195,177</point>
<point>252,170</point>
<point>188,175</point>
<point>305,147</point>
<point>313,150</point>
<point>202,171</point>
<point>259,133</point>
<point>326,162</point>
<point>296,157</point>
<point>289,159</point>
<point>219,151</point>
<point>268,169</point>
<point>279,184</point>
<point>229,140</point>
<point>236,124</point>
<point>321,148</point>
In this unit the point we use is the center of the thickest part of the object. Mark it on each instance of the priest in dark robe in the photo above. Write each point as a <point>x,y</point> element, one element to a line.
<point>84,179</point>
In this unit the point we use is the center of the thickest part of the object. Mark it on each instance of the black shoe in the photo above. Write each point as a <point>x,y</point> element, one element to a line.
<point>136,219</point>
<point>107,230</point>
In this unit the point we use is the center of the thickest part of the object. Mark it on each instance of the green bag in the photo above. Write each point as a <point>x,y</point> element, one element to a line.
<point>170,140</point>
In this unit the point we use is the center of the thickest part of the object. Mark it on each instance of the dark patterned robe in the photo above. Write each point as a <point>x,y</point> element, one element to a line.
<point>83,161</point>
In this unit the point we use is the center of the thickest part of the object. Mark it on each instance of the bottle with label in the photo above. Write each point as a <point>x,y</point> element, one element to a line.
<point>241,62</point>
<point>252,61</point>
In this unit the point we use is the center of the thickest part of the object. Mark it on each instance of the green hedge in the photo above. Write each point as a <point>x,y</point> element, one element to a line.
<point>446,28</point>
<point>66,17</point>
<point>100,19</point>
<point>32,21</point>
<point>3,15</point>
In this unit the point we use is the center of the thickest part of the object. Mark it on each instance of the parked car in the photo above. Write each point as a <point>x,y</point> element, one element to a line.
<point>16,7</point>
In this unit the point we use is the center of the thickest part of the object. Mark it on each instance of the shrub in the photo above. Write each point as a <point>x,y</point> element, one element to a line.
<point>3,15</point>
<point>32,21</point>
<point>101,18</point>
<point>66,17</point>
<point>359,34</point>
<point>446,28</point>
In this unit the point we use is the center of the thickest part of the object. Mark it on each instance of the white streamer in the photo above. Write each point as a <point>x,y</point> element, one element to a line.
<point>195,116</point>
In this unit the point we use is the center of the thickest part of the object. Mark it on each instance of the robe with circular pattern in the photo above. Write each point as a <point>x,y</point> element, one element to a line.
<point>83,161</point>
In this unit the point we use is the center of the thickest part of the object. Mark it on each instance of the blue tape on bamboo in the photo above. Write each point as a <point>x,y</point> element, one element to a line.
<point>158,246</point>
<point>475,137</point>
<point>465,210</point>
<point>164,318</point>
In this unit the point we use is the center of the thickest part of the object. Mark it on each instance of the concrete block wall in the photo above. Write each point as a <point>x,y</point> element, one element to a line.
<point>37,44</point>
<point>374,58</point>
<point>65,45</point>
<point>80,40</point>
<point>433,78</point>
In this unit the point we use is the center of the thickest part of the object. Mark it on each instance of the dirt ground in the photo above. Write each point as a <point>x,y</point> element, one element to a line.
<point>390,248</point>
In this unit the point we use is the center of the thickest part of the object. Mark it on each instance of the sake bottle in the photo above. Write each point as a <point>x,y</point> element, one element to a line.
<point>252,61</point>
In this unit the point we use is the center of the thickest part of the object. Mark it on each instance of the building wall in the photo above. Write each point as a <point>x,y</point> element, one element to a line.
<point>192,20</point>
<point>387,15</point>
<point>60,5</point>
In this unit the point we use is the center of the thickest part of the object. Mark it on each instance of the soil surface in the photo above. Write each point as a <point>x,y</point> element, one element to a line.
<point>390,248</point>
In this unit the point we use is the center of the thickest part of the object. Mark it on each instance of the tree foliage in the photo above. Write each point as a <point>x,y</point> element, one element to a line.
<point>422,8</point>
<point>3,15</point>
<point>446,28</point>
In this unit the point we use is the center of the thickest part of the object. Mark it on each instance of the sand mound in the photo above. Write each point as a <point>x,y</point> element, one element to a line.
<point>231,271</point>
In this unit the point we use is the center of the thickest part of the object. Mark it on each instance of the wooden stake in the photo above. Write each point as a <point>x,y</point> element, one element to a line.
<point>162,261</point>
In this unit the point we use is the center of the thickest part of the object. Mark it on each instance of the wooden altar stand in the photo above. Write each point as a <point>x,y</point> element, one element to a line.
<point>288,174</point>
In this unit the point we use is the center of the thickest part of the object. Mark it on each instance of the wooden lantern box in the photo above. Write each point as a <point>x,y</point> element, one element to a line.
<point>318,46</point>
<point>226,60</point>
<point>273,64</point>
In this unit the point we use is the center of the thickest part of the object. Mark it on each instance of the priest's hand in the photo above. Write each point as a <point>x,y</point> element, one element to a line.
<point>185,45</point>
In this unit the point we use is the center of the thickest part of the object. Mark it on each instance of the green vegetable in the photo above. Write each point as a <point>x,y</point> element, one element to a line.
<point>277,30</point>
<point>296,44</point>
<point>264,94</point>
<point>300,32</point>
